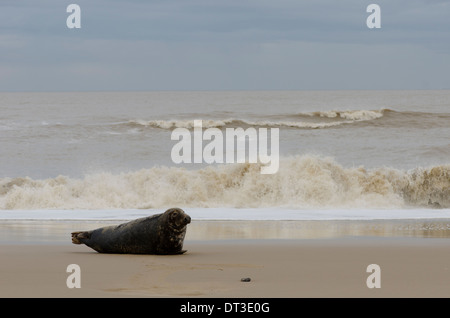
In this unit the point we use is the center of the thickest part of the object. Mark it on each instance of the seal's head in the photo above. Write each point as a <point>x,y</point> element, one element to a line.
<point>177,218</point>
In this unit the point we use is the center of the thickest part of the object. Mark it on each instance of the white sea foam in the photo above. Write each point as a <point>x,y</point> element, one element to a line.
<point>226,214</point>
<point>354,115</point>
<point>307,181</point>
<point>349,116</point>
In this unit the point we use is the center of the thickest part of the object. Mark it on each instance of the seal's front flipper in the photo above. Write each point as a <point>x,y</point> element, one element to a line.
<point>77,236</point>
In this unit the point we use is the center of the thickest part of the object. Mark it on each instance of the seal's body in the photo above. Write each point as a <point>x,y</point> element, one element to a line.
<point>157,234</point>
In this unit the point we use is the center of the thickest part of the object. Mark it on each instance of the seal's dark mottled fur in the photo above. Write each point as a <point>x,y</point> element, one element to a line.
<point>157,234</point>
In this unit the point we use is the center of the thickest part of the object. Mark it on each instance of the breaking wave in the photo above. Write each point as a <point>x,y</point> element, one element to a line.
<point>311,120</point>
<point>354,115</point>
<point>305,120</point>
<point>333,118</point>
<point>301,182</point>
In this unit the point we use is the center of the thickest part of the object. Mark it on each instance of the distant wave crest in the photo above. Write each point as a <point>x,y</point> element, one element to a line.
<point>302,182</point>
<point>333,118</point>
<point>355,115</point>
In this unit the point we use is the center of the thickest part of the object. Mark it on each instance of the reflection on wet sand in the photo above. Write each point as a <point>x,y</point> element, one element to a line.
<point>59,231</point>
<point>209,230</point>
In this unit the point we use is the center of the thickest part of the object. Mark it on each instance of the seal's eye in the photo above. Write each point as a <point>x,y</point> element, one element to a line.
<point>174,214</point>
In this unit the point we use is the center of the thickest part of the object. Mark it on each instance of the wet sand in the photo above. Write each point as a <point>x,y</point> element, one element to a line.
<point>414,261</point>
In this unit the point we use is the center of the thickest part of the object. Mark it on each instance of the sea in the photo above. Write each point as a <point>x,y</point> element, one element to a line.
<point>342,155</point>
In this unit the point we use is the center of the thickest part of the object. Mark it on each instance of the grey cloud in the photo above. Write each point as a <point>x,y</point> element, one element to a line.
<point>211,44</point>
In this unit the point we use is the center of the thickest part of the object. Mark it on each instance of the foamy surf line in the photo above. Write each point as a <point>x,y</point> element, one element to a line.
<point>342,117</point>
<point>230,214</point>
<point>302,182</point>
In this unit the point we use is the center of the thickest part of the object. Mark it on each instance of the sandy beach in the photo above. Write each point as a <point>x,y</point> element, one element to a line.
<point>330,264</point>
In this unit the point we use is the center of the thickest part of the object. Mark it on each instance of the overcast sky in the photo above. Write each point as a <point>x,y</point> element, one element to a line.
<point>223,45</point>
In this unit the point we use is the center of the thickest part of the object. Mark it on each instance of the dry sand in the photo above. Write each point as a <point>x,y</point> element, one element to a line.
<point>323,266</point>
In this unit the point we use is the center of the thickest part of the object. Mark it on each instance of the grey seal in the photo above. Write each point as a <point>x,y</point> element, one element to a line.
<point>157,234</point>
